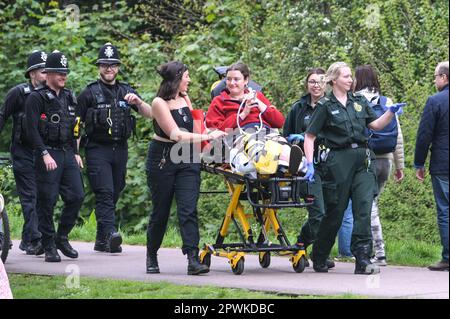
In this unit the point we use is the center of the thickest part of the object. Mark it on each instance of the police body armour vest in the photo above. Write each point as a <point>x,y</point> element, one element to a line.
<point>56,124</point>
<point>110,119</point>
<point>20,133</point>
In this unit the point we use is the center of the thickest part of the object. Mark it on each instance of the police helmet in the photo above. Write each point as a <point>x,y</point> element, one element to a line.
<point>108,54</point>
<point>56,63</point>
<point>36,60</point>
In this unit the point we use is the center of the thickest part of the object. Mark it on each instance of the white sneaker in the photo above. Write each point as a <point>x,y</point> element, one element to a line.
<point>380,261</point>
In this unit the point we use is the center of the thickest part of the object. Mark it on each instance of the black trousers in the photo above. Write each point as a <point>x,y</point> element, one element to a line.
<point>25,177</point>
<point>107,169</point>
<point>167,181</point>
<point>66,181</point>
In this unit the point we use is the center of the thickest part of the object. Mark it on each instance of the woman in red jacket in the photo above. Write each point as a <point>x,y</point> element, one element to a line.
<point>223,110</point>
<point>228,112</point>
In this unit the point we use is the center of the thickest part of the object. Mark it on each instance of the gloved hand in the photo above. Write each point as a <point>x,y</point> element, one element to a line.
<point>292,138</point>
<point>309,172</point>
<point>397,107</point>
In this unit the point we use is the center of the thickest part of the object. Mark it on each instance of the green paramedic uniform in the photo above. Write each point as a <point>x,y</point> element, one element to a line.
<point>296,122</point>
<point>348,172</point>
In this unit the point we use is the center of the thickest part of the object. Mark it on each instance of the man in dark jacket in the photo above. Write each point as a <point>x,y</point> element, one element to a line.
<point>433,130</point>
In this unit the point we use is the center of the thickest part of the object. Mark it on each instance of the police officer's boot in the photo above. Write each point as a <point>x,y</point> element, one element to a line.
<point>35,248</point>
<point>152,263</point>
<point>62,243</point>
<point>100,245</point>
<point>363,265</point>
<point>51,255</point>
<point>113,242</point>
<point>194,265</point>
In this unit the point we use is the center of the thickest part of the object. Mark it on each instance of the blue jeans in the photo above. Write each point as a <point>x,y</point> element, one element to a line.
<point>345,232</point>
<point>440,190</point>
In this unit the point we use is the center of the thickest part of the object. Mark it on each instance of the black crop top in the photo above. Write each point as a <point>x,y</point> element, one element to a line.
<point>182,117</point>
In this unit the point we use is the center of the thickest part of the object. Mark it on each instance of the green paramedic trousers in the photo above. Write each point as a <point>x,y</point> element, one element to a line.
<point>347,173</point>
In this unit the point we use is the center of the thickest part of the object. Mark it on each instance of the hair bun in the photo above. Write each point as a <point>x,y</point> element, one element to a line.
<point>171,70</point>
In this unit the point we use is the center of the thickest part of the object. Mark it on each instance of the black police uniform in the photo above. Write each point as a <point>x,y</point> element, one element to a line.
<point>108,125</point>
<point>22,154</point>
<point>51,120</point>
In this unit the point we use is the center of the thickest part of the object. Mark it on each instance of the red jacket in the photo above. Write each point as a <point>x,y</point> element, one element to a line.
<point>223,110</point>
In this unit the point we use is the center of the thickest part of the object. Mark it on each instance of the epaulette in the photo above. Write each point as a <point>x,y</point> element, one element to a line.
<point>323,100</point>
<point>25,88</point>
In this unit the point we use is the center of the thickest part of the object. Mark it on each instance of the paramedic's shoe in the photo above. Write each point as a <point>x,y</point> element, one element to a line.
<point>194,265</point>
<point>439,266</point>
<point>295,158</point>
<point>330,263</point>
<point>320,266</point>
<point>363,265</point>
<point>380,261</point>
<point>152,264</point>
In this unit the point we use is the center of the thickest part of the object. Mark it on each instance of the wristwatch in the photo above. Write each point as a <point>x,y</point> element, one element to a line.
<point>44,152</point>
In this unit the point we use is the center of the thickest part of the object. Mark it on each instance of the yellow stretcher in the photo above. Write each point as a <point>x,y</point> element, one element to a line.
<point>266,194</point>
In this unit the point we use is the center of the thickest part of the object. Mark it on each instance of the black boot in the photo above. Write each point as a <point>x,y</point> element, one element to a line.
<point>113,242</point>
<point>51,255</point>
<point>100,245</point>
<point>23,246</point>
<point>62,243</point>
<point>363,265</point>
<point>194,265</point>
<point>320,266</point>
<point>152,263</point>
<point>35,248</point>
<point>330,263</point>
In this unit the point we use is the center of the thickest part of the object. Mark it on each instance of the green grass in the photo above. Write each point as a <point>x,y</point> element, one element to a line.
<point>408,252</point>
<point>54,287</point>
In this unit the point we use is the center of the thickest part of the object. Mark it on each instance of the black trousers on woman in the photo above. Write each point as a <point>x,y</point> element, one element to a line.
<point>168,180</point>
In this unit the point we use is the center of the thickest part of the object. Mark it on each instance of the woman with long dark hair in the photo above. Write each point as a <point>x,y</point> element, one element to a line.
<point>171,171</point>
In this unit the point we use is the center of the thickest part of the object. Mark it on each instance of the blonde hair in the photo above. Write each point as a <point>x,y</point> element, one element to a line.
<point>334,71</point>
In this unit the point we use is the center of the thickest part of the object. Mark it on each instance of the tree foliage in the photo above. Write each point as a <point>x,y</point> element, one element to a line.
<point>280,40</point>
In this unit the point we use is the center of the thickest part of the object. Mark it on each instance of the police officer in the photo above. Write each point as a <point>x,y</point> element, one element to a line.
<point>348,172</point>
<point>105,108</point>
<point>53,126</point>
<point>22,150</point>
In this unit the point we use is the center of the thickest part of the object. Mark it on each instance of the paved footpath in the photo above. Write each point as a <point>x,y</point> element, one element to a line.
<point>392,282</point>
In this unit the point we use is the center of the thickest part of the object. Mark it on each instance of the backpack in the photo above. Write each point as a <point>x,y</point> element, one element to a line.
<point>385,140</point>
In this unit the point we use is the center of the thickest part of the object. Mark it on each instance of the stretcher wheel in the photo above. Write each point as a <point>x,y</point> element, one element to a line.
<point>264,259</point>
<point>300,266</point>
<point>239,268</point>
<point>206,260</point>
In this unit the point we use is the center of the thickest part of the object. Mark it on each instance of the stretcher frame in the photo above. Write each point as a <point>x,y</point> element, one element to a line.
<point>266,194</point>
